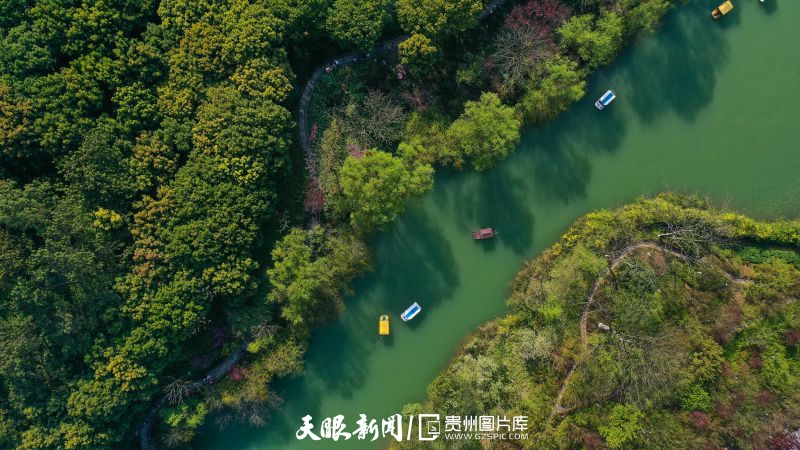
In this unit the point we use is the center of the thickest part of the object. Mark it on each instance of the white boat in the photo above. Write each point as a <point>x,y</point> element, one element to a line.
<point>607,98</point>
<point>411,312</point>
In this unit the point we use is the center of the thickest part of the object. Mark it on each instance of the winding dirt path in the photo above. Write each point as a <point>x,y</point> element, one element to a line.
<point>558,409</point>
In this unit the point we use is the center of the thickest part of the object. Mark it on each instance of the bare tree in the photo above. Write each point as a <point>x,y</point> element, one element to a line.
<point>585,5</point>
<point>175,437</point>
<point>264,330</point>
<point>649,365</point>
<point>223,420</point>
<point>374,122</point>
<point>519,51</point>
<point>178,389</point>
<point>692,237</point>
<point>256,413</point>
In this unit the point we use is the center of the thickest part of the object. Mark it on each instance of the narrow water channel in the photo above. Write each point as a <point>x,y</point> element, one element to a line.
<point>711,107</point>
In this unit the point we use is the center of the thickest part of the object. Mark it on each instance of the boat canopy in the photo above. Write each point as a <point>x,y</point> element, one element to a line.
<point>726,7</point>
<point>411,312</point>
<point>483,233</point>
<point>607,98</point>
<point>384,326</point>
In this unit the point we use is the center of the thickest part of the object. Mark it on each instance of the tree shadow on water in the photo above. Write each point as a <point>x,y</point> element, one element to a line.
<point>502,205</point>
<point>770,6</point>
<point>414,261</point>
<point>417,263</point>
<point>496,198</point>
<point>677,69</point>
<point>561,151</point>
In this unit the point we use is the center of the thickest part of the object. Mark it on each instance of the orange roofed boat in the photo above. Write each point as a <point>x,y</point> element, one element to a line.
<point>483,233</point>
<point>722,9</point>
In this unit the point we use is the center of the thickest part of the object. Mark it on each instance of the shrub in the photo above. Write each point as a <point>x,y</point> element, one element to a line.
<point>696,398</point>
<point>623,427</point>
<point>596,40</point>
<point>699,420</point>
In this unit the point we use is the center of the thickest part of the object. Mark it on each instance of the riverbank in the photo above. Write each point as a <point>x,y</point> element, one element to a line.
<point>661,324</point>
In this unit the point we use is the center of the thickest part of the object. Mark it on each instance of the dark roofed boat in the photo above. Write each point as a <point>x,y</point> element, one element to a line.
<point>483,233</point>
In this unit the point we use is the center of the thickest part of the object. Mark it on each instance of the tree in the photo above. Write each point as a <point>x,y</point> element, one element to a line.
<point>152,163</point>
<point>419,54</point>
<point>535,346</point>
<point>376,121</point>
<point>596,40</point>
<point>310,270</point>
<point>162,142</point>
<point>545,14</point>
<point>178,15</point>
<point>695,398</point>
<point>56,276</point>
<point>14,124</point>
<point>183,419</point>
<point>644,14</point>
<point>426,140</point>
<point>136,108</point>
<point>561,85</point>
<point>623,427</point>
<point>519,51</point>
<point>435,17</point>
<point>357,23</point>
<point>377,185</point>
<point>97,170</point>
<point>486,132</point>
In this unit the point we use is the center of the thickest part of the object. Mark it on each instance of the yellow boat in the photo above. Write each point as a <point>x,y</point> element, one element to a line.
<point>722,9</point>
<point>384,325</point>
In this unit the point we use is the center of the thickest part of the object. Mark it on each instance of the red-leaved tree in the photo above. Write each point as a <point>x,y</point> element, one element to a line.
<point>538,14</point>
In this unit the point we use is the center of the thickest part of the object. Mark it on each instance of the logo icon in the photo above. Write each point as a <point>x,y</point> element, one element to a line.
<point>430,426</point>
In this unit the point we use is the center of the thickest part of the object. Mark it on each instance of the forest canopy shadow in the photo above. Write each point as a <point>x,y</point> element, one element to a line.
<point>496,198</point>
<point>414,262</point>
<point>672,72</point>
<point>503,206</point>
<point>561,151</point>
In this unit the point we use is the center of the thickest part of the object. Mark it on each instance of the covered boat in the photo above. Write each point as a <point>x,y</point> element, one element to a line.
<point>483,233</point>
<point>722,9</point>
<point>383,325</point>
<point>607,98</point>
<point>411,312</point>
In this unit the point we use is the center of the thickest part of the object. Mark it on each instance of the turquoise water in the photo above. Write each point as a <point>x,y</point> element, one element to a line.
<point>704,106</point>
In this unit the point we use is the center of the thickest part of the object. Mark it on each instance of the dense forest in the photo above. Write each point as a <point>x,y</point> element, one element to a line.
<point>663,324</point>
<point>154,200</point>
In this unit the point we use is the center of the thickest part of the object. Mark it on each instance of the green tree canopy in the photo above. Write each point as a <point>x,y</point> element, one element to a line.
<point>418,53</point>
<point>486,132</point>
<point>624,425</point>
<point>561,85</point>
<point>377,185</point>
<point>435,17</point>
<point>357,23</point>
<point>596,40</point>
<point>310,269</point>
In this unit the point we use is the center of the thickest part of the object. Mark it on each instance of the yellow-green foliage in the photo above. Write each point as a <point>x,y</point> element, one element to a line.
<point>694,352</point>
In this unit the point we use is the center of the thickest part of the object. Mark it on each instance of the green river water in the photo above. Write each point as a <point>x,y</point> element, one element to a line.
<point>711,107</point>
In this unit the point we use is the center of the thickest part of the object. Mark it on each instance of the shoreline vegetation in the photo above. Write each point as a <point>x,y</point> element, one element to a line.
<point>662,324</point>
<point>149,195</point>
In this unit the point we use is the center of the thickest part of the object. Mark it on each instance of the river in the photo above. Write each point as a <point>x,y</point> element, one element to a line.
<point>710,107</point>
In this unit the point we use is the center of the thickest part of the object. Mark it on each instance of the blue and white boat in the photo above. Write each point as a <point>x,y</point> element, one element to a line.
<point>607,98</point>
<point>411,312</point>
